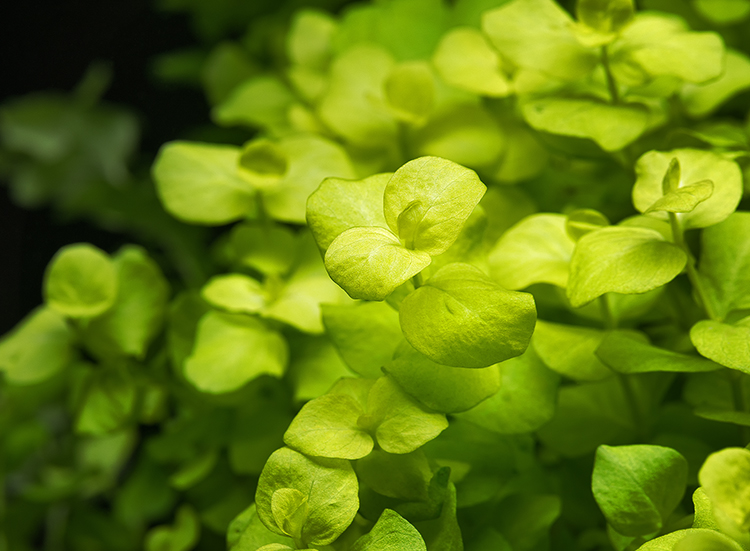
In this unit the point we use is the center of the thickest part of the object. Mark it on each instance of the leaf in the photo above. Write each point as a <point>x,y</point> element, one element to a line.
<point>695,166</point>
<point>338,205</point>
<point>465,133</point>
<point>410,91</point>
<point>725,477</point>
<point>248,533</point>
<point>625,353</point>
<point>465,59</point>
<point>459,317</point>
<point>684,199</point>
<point>391,24</point>
<point>604,16</point>
<point>199,183</point>
<point>354,104</point>
<point>330,487</point>
<point>268,249</point>
<point>289,509</point>
<point>263,163</point>
<point>626,260</point>
<point>401,476</point>
<point>526,400</point>
<point>391,533</point>
<point>369,263</point>
<point>182,536</point>
<point>235,293</point>
<point>108,401</point>
<point>535,250</point>
<point>707,540</point>
<point>696,539</point>
<point>637,487</point>
<point>583,221</point>
<point>525,520</point>
<point>310,159</point>
<point>400,424</point>
<point>724,265</point>
<point>259,102</point>
<point>428,200</point>
<point>80,281</point>
<point>310,38</point>
<point>537,34</point>
<point>365,334</point>
<point>612,127</point>
<point>137,314</point>
<point>661,45</point>
<point>728,345</point>
<point>37,348</point>
<point>327,427</point>
<point>439,387</point>
<point>569,350</point>
<point>230,350</point>
<point>701,99</point>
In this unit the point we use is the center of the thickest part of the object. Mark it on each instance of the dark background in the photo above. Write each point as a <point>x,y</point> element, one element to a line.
<point>48,45</point>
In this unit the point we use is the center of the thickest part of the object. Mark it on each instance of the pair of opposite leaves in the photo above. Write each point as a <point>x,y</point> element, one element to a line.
<point>380,232</point>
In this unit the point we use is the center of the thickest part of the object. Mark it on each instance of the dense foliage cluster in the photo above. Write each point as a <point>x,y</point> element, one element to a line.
<point>480,279</point>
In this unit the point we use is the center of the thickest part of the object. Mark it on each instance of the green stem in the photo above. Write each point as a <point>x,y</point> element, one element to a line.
<point>611,83</point>
<point>692,272</point>
<point>610,322</point>
<point>630,398</point>
<point>417,280</point>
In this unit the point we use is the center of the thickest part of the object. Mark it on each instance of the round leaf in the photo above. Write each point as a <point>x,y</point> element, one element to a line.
<point>231,350</point>
<point>626,260</point>
<point>465,59</point>
<point>199,183</point>
<point>327,427</point>
<point>440,387</point>
<point>330,487</point>
<point>728,345</point>
<point>725,477</point>
<point>695,166</point>
<point>536,250</point>
<point>80,281</point>
<point>369,263</point>
<point>637,487</point>
<point>459,317</point>
<point>428,200</point>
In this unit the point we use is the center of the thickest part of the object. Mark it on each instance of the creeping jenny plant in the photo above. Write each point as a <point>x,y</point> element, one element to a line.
<point>480,279</point>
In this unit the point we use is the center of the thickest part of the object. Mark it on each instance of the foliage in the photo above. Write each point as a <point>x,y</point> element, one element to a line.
<point>478,280</point>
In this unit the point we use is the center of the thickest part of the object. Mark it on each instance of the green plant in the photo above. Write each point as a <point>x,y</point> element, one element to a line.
<point>480,282</point>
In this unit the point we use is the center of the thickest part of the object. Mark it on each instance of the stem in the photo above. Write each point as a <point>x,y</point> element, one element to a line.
<point>610,322</point>
<point>611,83</point>
<point>417,280</point>
<point>692,273</point>
<point>630,398</point>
